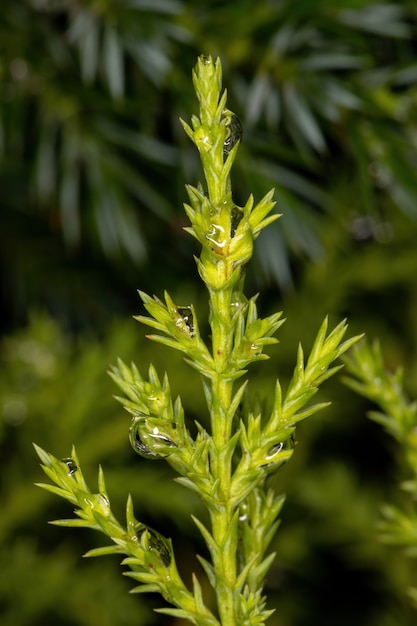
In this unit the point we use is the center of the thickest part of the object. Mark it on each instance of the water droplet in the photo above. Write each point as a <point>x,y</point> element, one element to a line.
<point>71,465</point>
<point>207,60</point>
<point>157,543</point>
<point>274,450</point>
<point>216,235</point>
<point>97,502</point>
<point>233,131</point>
<point>137,442</point>
<point>236,215</point>
<point>157,435</point>
<point>185,320</point>
<point>238,302</point>
<point>243,512</point>
<point>206,142</point>
<point>203,139</point>
<point>256,349</point>
<point>149,439</point>
<point>272,455</point>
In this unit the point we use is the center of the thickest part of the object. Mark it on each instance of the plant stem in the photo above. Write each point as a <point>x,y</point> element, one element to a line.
<point>228,485</point>
<point>224,560</point>
<point>225,565</point>
<point>212,132</point>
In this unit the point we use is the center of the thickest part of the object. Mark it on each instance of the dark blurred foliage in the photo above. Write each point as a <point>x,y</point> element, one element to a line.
<point>93,163</point>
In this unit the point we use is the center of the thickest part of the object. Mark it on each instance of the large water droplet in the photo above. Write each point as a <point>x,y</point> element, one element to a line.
<point>149,439</point>
<point>137,443</point>
<point>158,436</point>
<point>185,319</point>
<point>233,131</point>
<point>157,543</point>
<point>71,465</point>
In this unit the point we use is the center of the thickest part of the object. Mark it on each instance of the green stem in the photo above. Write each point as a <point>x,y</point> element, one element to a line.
<point>225,565</point>
<point>222,342</point>
<point>213,165</point>
<point>224,560</point>
<point>220,303</point>
<point>207,78</point>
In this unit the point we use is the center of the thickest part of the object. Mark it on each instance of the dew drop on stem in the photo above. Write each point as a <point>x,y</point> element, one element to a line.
<point>137,443</point>
<point>233,131</point>
<point>274,450</point>
<point>236,216</point>
<point>159,437</point>
<point>216,236</point>
<point>71,465</point>
<point>272,456</point>
<point>157,543</point>
<point>148,439</point>
<point>256,349</point>
<point>97,503</point>
<point>243,512</point>
<point>185,319</point>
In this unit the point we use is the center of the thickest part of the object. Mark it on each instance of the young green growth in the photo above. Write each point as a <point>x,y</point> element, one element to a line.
<point>369,377</point>
<point>228,463</point>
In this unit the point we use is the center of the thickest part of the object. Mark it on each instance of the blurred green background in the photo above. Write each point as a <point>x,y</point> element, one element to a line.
<point>93,163</point>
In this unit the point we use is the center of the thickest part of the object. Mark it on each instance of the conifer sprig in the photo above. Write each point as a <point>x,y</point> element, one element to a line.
<point>227,463</point>
<point>397,414</point>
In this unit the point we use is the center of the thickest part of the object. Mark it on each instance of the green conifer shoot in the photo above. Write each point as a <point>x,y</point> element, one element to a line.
<point>227,464</point>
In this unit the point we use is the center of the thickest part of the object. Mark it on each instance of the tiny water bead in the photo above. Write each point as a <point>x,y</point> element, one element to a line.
<point>97,503</point>
<point>185,319</point>
<point>71,465</point>
<point>274,450</point>
<point>243,512</point>
<point>236,216</point>
<point>203,139</point>
<point>272,455</point>
<point>238,303</point>
<point>216,235</point>
<point>256,349</point>
<point>233,130</point>
<point>225,219</point>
